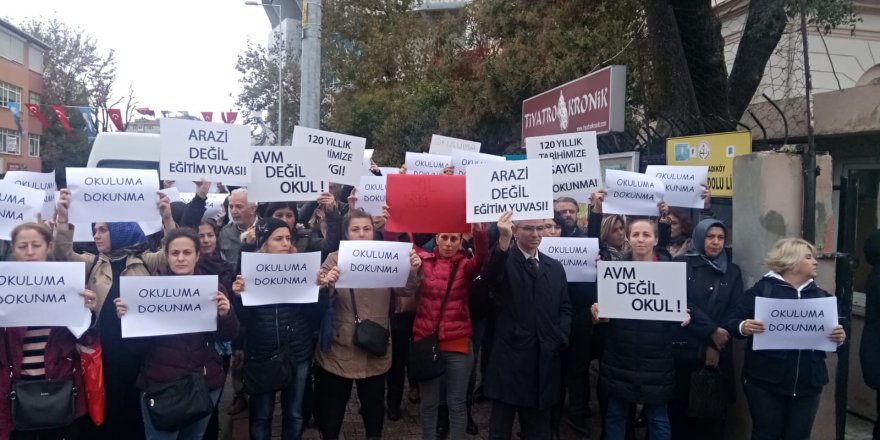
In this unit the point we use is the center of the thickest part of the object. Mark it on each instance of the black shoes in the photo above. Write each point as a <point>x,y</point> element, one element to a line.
<point>442,421</point>
<point>579,425</point>
<point>393,413</point>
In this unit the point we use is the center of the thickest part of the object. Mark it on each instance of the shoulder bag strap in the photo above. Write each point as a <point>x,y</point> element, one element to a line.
<point>354,306</point>
<point>446,297</point>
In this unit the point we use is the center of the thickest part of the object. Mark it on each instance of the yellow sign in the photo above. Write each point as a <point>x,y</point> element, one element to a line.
<point>713,150</point>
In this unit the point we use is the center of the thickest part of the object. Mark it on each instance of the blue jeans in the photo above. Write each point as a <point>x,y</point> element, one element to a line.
<point>263,405</point>
<point>194,431</point>
<point>656,416</point>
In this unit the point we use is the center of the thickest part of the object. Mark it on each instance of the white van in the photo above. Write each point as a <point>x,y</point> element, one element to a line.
<point>125,150</point>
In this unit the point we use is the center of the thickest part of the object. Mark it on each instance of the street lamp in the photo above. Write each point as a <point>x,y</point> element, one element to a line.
<point>280,66</point>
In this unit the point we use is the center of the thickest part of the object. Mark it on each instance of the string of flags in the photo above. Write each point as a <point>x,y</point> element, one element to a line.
<point>114,114</point>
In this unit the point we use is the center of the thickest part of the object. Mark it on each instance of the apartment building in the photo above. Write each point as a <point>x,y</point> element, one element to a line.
<point>21,80</point>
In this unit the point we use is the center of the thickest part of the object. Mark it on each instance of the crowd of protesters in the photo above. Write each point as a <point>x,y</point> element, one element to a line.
<point>499,309</point>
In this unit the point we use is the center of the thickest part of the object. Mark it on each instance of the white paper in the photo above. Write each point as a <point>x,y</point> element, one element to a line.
<point>285,174</point>
<point>373,264</point>
<point>424,163</point>
<point>795,324</point>
<point>112,195</point>
<point>173,194</point>
<point>42,293</point>
<point>368,157</point>
<point>461,159</point>
<point>642,290</point>
<point>195,150</point>
<point>41,181</point>
<point>213,203</point>
<point>522,186</point>
<point>576,254</point>
<point>371,194</point>
<point>280,278</point>
<point>168,305</point>
<point>389,170</point>
<point>684,184</point>
<point>444,145</point>
<point>576,171</point>
<point>632,193</point>
<point>18,204</point>
<point>344,152</point>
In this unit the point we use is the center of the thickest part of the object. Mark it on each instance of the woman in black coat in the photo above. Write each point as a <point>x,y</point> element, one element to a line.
<point>783,386</point>
<point>713,287</point>
<point>637,366</point>
<point>869,351</point>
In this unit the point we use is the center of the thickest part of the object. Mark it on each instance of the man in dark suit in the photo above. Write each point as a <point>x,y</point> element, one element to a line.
<point>531,331</point>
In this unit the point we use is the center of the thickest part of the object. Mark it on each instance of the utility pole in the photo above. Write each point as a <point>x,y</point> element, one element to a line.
<point>310,78</point>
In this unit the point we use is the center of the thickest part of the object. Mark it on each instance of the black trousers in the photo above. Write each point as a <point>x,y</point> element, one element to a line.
<point>401,332</point>
<point>331,396</point>
<point>576,369</point>
<point>68,433</point>
<point>780,417</point>
<point>534,423</point>
<point>683,426</point>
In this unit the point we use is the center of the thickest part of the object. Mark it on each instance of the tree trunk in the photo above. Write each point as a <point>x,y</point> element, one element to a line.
<point>672,93</point>
<point>764,27</point>
<point>703,46</point>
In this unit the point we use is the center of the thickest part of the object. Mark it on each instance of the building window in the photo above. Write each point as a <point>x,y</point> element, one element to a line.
<point>35,59</point>
<point>35,98</point>
<point>9,92</point>
<point>33,145</point>
<point>9,142</point>
<point>11,47</point>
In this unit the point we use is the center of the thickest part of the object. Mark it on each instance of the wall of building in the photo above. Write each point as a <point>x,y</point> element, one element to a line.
<point>20,75</point>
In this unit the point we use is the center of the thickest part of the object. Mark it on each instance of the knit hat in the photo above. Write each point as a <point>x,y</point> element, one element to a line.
<point>274,206</point>
<point>124,234</point>
<point>265,227</point>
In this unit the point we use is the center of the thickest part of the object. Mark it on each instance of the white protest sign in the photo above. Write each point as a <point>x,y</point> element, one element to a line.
<point>795,324</point>
<point>173,194</point>
<point>42,294</point>
<point>684,184</point>
<point>461,159</point>
<point>576,171</point>
<point>444,145</point>
<point>522,186</point>
<point>424,163</point>
<point>371,194</point>
<point>18,204</point>
<point>41,181</point>
<point>151,227</point>
<point>168,305</point>
<point>632,193</point>
<point>576,254</point>
<point>367,162</point>
<point>389,170</point>
<point>285,174</point>
<point>373,264</point>
<point>280,278</point>
<point>195,150</point>
<point>642,290</point>
<point>112,195</point>
<point>213,203</point>
<point>344,153</point>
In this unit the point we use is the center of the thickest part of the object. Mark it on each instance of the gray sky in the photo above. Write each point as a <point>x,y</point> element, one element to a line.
<point>179,55</point>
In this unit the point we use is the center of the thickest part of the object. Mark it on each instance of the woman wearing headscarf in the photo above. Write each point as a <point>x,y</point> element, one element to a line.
<point>713,286</point>
<point>122,251</point>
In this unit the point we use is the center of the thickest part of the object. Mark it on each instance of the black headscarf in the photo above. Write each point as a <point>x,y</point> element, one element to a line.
<point>698,244</point>
<point>265,227</point>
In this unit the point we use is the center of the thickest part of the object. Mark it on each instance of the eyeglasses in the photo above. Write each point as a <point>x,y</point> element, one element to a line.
<point>531,229</point>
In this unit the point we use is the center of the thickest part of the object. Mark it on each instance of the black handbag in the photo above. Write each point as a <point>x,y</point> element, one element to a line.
<point>271,373</point>
<point>41,404</point>
<point>369,335</point>
<point>423,360</point>
<point>176,404</point>
<point>708,396</point>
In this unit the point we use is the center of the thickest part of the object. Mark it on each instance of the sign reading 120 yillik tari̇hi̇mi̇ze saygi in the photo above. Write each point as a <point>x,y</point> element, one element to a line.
<point>576,171</point>
<point>345,153</point>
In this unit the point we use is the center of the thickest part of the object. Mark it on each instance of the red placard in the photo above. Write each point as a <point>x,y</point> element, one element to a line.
<point>426,203</point>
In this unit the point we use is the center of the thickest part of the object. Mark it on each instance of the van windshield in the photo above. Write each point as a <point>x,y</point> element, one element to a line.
<point>130,164</point>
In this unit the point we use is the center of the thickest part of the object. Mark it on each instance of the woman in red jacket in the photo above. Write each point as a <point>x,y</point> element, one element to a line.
<point>168,358</point>
<point>35,353</point>
<point>448,268</point>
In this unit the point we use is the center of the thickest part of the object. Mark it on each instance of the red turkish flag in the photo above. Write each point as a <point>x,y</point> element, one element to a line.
<point>208,116</point>
<point>59,111</point>
<point>34,109</point>
<point>229,117</point>
<point>116,116</point>
<point>146,111</point>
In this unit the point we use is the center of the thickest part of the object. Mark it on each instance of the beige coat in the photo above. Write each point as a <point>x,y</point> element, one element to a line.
<point>344,359</point>
<point>99,273</point>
